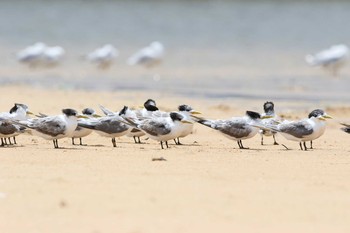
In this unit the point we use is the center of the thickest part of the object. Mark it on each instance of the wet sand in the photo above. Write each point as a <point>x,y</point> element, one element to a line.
<point>206,185</point>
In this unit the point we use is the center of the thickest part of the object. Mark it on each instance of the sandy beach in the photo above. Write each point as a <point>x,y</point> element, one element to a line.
<point>206,185</point>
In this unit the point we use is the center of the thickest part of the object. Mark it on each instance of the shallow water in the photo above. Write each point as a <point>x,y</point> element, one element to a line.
<point>214,49</point>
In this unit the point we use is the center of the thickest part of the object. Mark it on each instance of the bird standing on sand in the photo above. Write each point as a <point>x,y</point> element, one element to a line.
<point>303,130</point>
<point>7,128</point>
<point>110,126</point>
<point>236,128</point>
<point>161,129</point>
<point>54,127</point>
<point>80,132</point>
<point>269,110</point>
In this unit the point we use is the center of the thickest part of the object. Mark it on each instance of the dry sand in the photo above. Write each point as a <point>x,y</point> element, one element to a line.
<point>207,185</point>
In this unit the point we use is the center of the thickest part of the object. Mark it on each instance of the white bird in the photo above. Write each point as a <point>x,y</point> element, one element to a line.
<point>83,132</point>
<point>103,56</point>
<point>54,127</point>
<point>301,131</point>
<point>161,129</point>
<point>32,54</point>
<point>269,110</point>
<point>53,55</point>
<point>149,56</point>
<point>236,128</point>
<point>333,58</point>
<point>110,126</point>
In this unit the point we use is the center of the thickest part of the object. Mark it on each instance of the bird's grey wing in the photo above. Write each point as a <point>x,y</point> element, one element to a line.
<point>155,128</point>
<point>106,111</point>
<point>50,125</point>
<point>234,128</point>
<point>7,128</point>
<point>297,129</point>
<point>111,126</point>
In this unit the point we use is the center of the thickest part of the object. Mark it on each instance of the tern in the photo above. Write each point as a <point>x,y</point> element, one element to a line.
<point>54,127</point>
<point>161,129</point>
<point>103,56</point>
<point>303,130</point>
<point>269,110</point>
<point>149,56</point>
<point>83,132</point>
<point>110,126</point>
<point>9,129</point>
<point>236,128</point>
<point>32,54</point>
<point>333,58</point>
<point>185,129</point>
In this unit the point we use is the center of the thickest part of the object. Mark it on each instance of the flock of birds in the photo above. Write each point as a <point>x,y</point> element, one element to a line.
<point>158,125</point>
<point>39,53</point>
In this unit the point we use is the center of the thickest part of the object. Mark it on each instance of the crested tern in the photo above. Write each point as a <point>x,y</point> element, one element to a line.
<point>9,129</point>
<point>333,58</point>
<point>81,132</point>
<point>161,129</point>
<point>149,56</point>
<point>110,126</point>
<point>269,110</point>
<point>303,130</point>
<point>236,128</point>
<point>54,127</point>
<point>185,129</point>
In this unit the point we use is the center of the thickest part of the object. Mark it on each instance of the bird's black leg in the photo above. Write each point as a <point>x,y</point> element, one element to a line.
<point>2,142</point>
<point>5,141</point>
<point>134,139</point>
<point>139,140</point>
<point>301,147</point>
<point>113,142</point>
<point>311,145</point>
<point>81,141</point>
<point>262,140</point>
<point>239,145</point>
<point>242,147</point>
<point>305,146</point>
<point>274,140</point>
<point>161,144</point>
<point>14,140</point>
<point>55,143</point>
<point>10,143</point>
<point>178,141</point>
<point>166,143</point>
<point>73,141</point>
<point>175,141</point>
